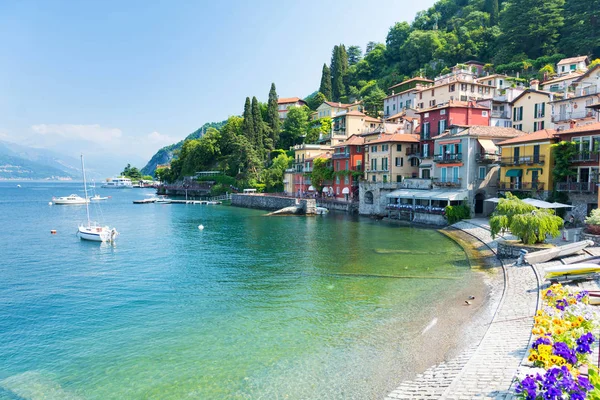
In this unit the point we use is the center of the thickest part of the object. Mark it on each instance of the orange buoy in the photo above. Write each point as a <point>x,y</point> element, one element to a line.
<point>53,232</point>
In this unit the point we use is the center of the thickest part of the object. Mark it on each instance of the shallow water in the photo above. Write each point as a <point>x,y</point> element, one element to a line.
<point>249,307</point>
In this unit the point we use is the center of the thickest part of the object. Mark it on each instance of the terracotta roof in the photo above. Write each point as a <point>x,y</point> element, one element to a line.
<point>288,100</point>
<point>411,80</point>
<point>454,103</point>
<point>526,91</point>
<point>544,134</point>
<point>403,92</point>
<point>396,137</point>
<point>572,60</point>
<point>587,73</point>
<point>326,156</point>
<point>570,75</point>
<point>581,129</point>
<point>484,131</point>
<point>482,78</point>
<point>354,113</point>
<point>339,105</point>
<point>371,119</point>
<point>353,140</point>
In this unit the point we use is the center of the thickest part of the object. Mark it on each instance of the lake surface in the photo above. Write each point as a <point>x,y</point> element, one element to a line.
<point>251,307</point>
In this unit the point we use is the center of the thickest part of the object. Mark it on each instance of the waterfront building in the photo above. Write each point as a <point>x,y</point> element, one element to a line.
<point>501,82</point>
<point>573,110</point>
<point>583,187</point>
<point>348,162</point>
<point>347,123</point>
<point>392,158</point>
<point>284,104</point>
<point>403,95</point>
<point>434,121</point>
<point>408,120</point>
<point>302,153</point>
<point>526,164</point>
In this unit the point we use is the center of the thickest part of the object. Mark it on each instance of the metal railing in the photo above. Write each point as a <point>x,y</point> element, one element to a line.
<point>521,185</point>
<point>487,157</point>
<point>448,182</point>
<point>583,187</point>
<point>523,160</point>
<point>341,155</point>
<point>572,115</point>
<point>447,158</point>
<point>585,156</point>
<point>411,151</point>
<point>500,114</point>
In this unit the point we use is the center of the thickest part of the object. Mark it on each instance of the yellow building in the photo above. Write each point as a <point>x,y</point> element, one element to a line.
<point>392,158</point>
<point>526,163</point>
<point>532,111</point>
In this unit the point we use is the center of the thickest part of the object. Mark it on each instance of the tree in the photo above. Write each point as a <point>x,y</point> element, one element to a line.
<point>163,174</point>
<point>491,7</point>
<point>525,221</point>
<point>295,126</point>
<point>370,47</point>
<point>273,116</point>
<point>531,27</point>
<point>315,100</point>
<point>325,86</point>
<point>339,67</point>
<point>132,173</point>
<point>248,125</point>
<point>563,168</point>
<point>273,176</point>
<point>581,31</point>
<point>259,128</point>
<point>374,101</point>
<point>354,55</point>
<point>320,173</point>
<point>395,40</point>
<point>593,64</point>
<point>320,127</point>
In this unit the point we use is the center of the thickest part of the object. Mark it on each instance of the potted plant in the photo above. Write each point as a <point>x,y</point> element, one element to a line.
<point>592,223</point>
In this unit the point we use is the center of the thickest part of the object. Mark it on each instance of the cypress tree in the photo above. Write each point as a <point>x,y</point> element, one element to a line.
<point>258,127</point>
<point>325,86</point>
<point>491,6</point>
<point>248,124</point>
<point>339,67</point>
<point>273,115</point>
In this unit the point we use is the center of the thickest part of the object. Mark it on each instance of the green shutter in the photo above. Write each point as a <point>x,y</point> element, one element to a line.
<point>521,113</point>
<point>535,110</point>
<point>514,114</point>
<point>543,110</point>
<point>460,147</point>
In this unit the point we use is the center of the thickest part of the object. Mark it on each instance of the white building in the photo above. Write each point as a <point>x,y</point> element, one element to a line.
<point>573,110</point>
<point>284,104</point>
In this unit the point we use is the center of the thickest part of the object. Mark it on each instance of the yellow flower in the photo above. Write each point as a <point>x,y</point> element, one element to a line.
<point>544,349</point>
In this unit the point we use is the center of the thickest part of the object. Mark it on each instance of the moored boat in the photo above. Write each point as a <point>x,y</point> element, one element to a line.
<point>118,183</point>
<point>72,199</point>
<point>163,200</point>
<point>98,198</point>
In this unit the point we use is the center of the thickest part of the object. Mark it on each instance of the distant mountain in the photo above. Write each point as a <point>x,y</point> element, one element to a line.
<point>24,162</point>
<point>165,155</point>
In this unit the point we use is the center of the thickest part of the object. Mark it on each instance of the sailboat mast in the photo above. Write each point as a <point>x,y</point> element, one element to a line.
<point>87,206</point>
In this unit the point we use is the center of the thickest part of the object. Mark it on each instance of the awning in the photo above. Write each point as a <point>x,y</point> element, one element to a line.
<point>311,188</point>
<point>538,203</point>
<point>514,173</point>
<point>450,195</point>
<point>345,191</point>
<point>425,166</point>
<point>488,146</point>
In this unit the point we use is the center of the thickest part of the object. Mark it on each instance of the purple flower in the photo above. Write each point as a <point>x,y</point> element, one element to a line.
<point>561,349</point>
<point>581,295</point>
<point>541,340</point>
<point>585,383</point>
<point>561,304</point>
<point>527,386</point>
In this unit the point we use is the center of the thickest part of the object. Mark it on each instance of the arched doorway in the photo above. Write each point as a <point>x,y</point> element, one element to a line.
<point>479,198</point>
<point>368,197</point>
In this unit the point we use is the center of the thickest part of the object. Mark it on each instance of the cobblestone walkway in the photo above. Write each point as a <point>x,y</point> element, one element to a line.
<point>485,370</point>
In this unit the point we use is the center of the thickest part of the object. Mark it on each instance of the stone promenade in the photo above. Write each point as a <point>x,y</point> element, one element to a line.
<point>485,370</point>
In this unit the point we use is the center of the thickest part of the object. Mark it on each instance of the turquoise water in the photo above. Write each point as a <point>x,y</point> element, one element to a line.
<point>251,307</point>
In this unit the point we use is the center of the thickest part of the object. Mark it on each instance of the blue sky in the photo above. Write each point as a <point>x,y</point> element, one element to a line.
<point>120,79</point>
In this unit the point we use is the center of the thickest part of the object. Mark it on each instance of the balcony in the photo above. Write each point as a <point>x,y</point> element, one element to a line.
<point>579,187</point>
<point>500,114</point>
<point>487,157</point>
<point>412,151</point>
<point>358,168</point>
<point>426,154</point>
<point>586,91</point>
<point>447,158</point>
<point>525,186</point>
<point>523,160</point>
<point>425,136</point>
<point>585,156</point>
<point>448,182</point>
<point>340,155</point>
<point>572,115</point>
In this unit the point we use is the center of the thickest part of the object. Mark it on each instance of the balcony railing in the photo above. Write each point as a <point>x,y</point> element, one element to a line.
<point>582,187</point>
<point>500,114</point>
<point>410,151</point>
<point>523,160</point>
<point>449,182</point>
<point>356,168</point>
<point>572,115</point>
<point>586,91</point>
<point>447,158</point>
<point>487,157</point>
<point>341,155</point>
<point>425,136</point>
<point>521,185</point>
<point>586,156</point>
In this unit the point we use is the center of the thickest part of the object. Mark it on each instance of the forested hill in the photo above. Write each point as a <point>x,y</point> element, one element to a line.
<point>165,155</point>
<point>497,32</point>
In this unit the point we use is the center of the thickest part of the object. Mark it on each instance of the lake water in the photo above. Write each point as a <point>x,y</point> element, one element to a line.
<point>251,307</point>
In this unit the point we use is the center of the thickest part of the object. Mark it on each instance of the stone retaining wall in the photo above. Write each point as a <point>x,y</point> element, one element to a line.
<point>271,203</point>
<point>339,206</point>
<point>593,238</point>
<point>508,250</point>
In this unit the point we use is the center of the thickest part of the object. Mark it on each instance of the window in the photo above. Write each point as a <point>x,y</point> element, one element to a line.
<point>426,115</point>
<point>507,124</point>
<point>414,162</point>
<point>452,88</point>
<point>387,110</point>
<point>573,67</point>
<point>463,87</point>
<point>472,88</point>
<point>337,180</point>
<point>487,90</point>
<point>373,178</point>
<point>421,96</point>
<point>346,180</point>
<point>426,174</point>
<point>398,147</point>
<point>374,164</point>
<point>538,126</point>
<point>385,147</point>
<point>337,165</point>
<point>397,161</point>
<point>433,92</point>
<point>463,98</point>
<point>484,113</point>
<point>373,149</point>
<point>394,107</point>
<point>518,113</point>
<point>426,130</point>
<point>501,83</point>
<point>400,106</point>
<point>443,112</point>
<point>441,126</point>
<point>347,164</point>
<point>432,103</point>
<point>384,178</point>
<point>518,127</point>
<point>563,69</point>
<point>384,164</point>
<point>426,150</point>
<point>408,103</point>
<point>482,173</point>
<point>539,110</point>
<point>398,178</point>
<point>421,105</point>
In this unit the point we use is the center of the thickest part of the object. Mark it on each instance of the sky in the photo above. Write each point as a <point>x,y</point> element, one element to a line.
<point>117,80</point>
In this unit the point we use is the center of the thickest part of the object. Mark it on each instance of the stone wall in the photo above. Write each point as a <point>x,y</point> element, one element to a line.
<point>593,238</point>
<point>508,250</point>
<point>377,191</point>
<point>430,219</point>
<point>580,203</point>
<point>349,207</point>
<point>271,203</point>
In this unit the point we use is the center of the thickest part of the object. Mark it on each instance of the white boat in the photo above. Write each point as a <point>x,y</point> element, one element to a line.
<point>97,197</point>
<point>92,231</point>
<point>163,200</point>
<point>149,200</point>
<point>118,183</point>
<point>322,210</point>
<point>72,199</point>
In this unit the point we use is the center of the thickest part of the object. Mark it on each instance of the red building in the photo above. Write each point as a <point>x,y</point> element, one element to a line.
<point>434,121</point>
<point>302,181</point>
<point>348,157</point>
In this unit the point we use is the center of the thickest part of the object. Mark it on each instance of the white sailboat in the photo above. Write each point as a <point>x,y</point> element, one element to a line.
<point>92,230</point>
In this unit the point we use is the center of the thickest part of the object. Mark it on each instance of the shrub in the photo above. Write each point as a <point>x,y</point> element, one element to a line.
<point>457,213</point>
<point>593,222</point>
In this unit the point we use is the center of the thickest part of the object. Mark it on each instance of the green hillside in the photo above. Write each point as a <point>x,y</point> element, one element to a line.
<point>14,167</point>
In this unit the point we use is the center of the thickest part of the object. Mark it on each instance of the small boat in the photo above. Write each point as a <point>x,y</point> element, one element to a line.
<point>572,269</point>
<point>163,200</point>
<point>118,183</point>
<point>322,210</point>
<point>98,198</point>
<point>92,231</point>
<point>72,199</point>
<point>555,252</point>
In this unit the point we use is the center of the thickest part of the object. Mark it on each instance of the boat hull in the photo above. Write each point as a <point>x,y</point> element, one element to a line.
<point>572,269</point>
<point>96,234</point>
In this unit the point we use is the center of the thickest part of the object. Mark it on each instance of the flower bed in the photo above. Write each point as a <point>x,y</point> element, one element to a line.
<point>560,353</point>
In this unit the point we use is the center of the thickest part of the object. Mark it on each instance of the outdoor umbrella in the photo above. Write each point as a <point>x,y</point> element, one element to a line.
<point>561,205</point>
<point>493,200</point>
<point>539,203</point>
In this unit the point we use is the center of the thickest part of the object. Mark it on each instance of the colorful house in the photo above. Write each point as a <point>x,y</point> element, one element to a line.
<point>526,163</point>
<point>531,111</point>
<point>392,158</point>
<point>284,104</point>
<point>302,153</point>
<point>348,162</point>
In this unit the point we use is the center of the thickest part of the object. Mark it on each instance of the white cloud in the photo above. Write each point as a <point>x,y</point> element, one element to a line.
<point>158,139</point>
<point>92,133</point>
